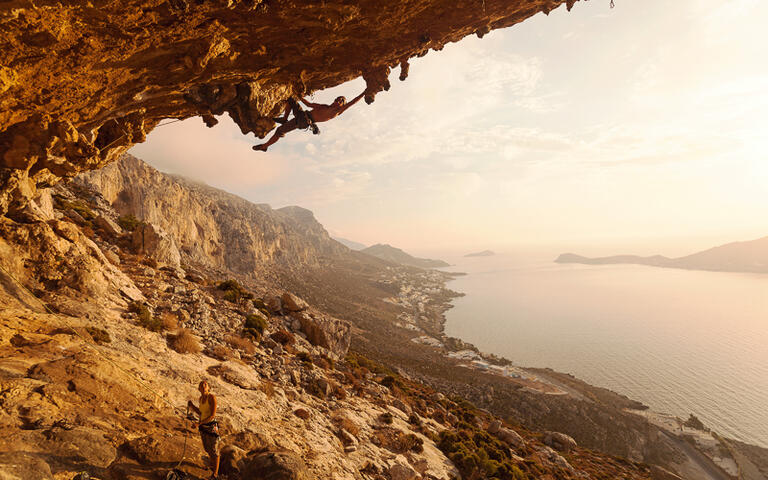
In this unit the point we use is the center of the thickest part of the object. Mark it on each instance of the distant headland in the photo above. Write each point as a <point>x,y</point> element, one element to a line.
<point>750,256</point>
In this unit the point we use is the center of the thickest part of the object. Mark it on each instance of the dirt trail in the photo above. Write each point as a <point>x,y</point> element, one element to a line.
<point>700,460</point>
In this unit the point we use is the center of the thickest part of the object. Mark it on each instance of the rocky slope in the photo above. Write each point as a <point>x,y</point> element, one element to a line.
<point>98,388</point>
<point>82,81</point>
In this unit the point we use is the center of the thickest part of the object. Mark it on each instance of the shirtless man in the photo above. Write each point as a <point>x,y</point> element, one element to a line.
<point>209,429</point>
<point>307,119</point>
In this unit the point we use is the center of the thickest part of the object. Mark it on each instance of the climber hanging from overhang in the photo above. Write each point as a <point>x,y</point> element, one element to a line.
<point>306,119</point>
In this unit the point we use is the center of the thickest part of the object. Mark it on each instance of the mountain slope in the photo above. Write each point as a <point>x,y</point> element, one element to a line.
<point>212,227</point>
<point>396,255</point>
<point>750,256</point>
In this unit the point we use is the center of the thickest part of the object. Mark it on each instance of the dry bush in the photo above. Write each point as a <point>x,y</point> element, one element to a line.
<point>268,388</point>
<point>169,320</point>
<point>409,442</point>
<point>339,392</point>
<point>184,342</point>
<point>323,362</point>
<point>344,422</point>
<point>99,335</point>
<point>240,343</point>
<point>220,352</point>
<point>283,337</point>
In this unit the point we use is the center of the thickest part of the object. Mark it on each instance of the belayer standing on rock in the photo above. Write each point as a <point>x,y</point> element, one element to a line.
<point>208,427</point>
<point>304,119</point>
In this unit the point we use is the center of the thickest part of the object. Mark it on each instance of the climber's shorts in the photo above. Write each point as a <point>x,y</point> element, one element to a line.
<point>210,437</point>
<point>210,444</point>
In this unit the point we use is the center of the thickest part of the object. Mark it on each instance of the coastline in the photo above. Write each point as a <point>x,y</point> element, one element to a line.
<point>429,299</point>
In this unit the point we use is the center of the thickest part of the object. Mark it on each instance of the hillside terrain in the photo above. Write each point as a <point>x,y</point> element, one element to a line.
<point>750,256</point>
<point>396,255</point>
<point>311,359</point>
<point>109,322</point>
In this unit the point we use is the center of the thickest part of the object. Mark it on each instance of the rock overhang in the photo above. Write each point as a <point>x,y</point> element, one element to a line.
<point>83,81</point>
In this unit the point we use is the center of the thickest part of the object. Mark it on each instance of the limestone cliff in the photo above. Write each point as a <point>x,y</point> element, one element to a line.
<point>211,227</point>
<point>82,81</point>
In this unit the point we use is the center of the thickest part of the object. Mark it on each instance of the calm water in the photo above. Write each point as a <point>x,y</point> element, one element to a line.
<point>679,341</point>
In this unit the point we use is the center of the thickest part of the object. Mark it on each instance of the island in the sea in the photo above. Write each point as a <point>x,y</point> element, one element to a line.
<point>484,253</point>
<point>750,256</point>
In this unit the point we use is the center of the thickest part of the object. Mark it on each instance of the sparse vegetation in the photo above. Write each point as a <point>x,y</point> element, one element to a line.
<point>410,442</point>
<point>305,358</point>
<point>98,335</point>
<point>283,337</point>
<point>387,418</point>
<point>262,307</point>
<point>240,343</point>
<point>129,222</point>
<point>342,421</point>
<point>184,342</point>
<point>233,291</point>
<point>220,352</point>
<point>144,317</point>
<point>255,325</point>
<point>169,320</point>
<point>79,206</point>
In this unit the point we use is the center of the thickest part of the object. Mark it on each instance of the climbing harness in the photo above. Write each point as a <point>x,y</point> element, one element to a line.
<point>130,374</point>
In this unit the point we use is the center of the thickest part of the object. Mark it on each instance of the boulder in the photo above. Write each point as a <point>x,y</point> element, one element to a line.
<point>230,460</point>
<point>559,441</point>
<point>401,470</point>
<point>292,303</point>
<point>327,332</point>
<point>494,427</point>
<point>108,226</point>
<point>159,448</point>
<point>22,465</point>
<point>510,437</point>
<point>555,458</point>
<point>274,304</point>
<point>85,443</point>
<point>151,240</point>
<point>274,466</point>
<point>112,256</point>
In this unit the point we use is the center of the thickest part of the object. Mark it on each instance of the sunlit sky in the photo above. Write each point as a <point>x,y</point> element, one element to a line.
<point>639,129</point>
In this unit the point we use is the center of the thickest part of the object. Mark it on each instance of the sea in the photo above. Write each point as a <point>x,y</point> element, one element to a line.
<point>680,341</point>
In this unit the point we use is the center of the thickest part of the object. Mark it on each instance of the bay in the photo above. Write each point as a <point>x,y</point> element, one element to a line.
<point>680,341</point>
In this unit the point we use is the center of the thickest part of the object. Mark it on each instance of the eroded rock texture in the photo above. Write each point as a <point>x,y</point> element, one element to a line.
<point>82,81</point>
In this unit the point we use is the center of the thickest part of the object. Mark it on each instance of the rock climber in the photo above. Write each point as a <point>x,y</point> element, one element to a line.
<point>307,119</point>
<point>207,425</point>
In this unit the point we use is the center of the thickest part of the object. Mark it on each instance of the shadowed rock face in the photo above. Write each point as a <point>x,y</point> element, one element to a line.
<point>80,82</point>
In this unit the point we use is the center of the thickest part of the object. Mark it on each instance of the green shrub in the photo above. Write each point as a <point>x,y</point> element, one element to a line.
<point>144,318</point>
<point>254,325</point>
<point>232,296</point>
<point>305,358</point>
<point>129,222</point>
<point>233,291</point>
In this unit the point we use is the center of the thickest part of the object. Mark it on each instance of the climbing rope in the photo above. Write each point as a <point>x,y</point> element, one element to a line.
<point>168,123</point>
<point>105,357</point>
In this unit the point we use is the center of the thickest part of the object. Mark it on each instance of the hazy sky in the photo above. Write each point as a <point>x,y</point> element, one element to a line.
<point>645,125</point>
